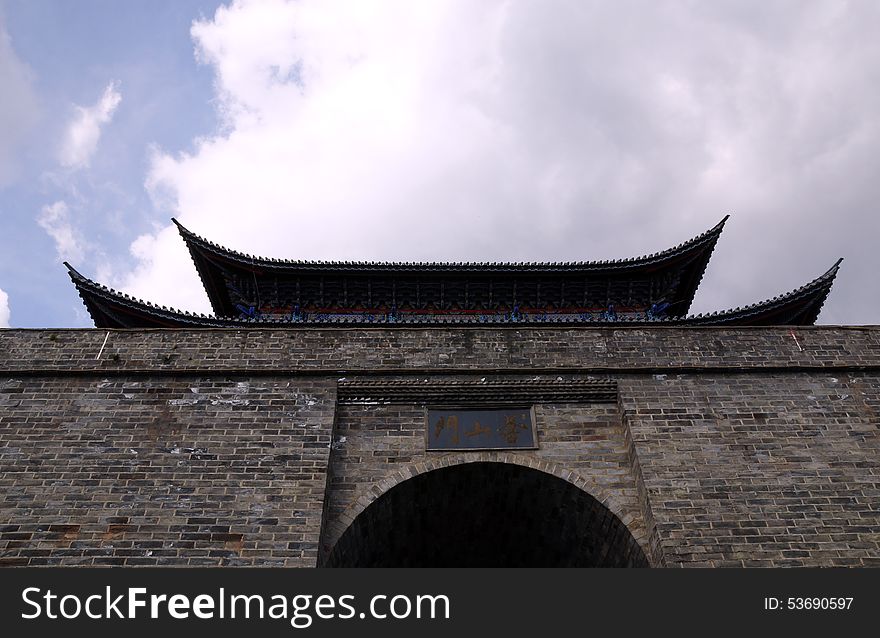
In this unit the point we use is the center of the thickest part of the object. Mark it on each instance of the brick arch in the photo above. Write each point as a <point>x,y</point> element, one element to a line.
<point>372,492</point>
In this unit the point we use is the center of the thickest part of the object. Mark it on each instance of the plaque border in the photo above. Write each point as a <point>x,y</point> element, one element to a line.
<point>474,407</point>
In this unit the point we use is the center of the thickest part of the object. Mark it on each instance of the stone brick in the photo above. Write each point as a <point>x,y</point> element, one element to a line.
<point>725,447</point>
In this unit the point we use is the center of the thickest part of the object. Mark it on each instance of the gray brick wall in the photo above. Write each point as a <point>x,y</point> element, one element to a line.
<point>227,447</point>
<point>162,471</point>
<point>745,470</point>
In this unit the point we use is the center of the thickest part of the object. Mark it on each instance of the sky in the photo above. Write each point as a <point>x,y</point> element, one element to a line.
<point>499,130</point>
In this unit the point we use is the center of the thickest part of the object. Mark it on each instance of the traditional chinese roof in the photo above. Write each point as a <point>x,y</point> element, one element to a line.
<point>800,307</point>
<point>112,309</point>
<point>238,284</point>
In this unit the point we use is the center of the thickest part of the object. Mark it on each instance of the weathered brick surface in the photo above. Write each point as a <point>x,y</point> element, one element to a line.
<point>157,471</point>
<point>445,349</point>
<point>774,470</point>
<point>727,446</point>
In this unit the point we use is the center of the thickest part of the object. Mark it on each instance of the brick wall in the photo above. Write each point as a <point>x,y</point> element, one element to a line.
<point>745,470</point>
<point>158,471</point>
<point>746,446</point>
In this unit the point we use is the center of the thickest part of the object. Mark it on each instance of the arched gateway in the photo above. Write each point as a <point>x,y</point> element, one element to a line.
<point>486,514</point>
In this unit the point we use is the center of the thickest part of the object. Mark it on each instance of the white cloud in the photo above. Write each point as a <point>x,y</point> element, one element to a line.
<point>69,242</point>
<point>84,130</point>
<point>4,309</point>
<point>18,108</point>
<point>557,130</point>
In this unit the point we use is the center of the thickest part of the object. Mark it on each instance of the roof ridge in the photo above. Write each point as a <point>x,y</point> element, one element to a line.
<point>193,238</point>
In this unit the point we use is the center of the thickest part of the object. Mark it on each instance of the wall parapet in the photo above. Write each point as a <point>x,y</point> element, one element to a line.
<point>447,349</point>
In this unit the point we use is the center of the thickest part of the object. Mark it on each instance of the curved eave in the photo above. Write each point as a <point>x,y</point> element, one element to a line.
<point>689,258</point>
<point>800,307</point>
<point>111,309</point>
<point>701,243</point>
<point>209,266</point>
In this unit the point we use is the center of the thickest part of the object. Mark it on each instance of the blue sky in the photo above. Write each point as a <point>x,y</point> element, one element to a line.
<point>71,52</point>
<point>436,131</point>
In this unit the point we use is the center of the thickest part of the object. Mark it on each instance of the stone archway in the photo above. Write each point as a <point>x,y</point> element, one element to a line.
<point>486,514</point>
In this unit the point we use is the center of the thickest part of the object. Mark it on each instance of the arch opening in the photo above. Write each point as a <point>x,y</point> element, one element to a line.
<point>486,514</point>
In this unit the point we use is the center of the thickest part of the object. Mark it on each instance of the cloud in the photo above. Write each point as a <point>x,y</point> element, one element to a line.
<point>4,309</point>
<point>84,130</point>
<point>18,107</point>
<point>551,131</point>
<point>69,242</point>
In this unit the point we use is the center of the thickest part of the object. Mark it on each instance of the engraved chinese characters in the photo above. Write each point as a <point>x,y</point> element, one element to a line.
<point>486,429</point>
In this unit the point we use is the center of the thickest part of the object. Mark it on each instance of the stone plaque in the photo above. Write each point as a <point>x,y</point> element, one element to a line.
<point>481,429</point>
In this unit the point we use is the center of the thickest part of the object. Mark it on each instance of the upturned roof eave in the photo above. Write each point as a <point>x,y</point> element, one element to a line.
<point>811,297</point>
<point>197,242</point>
<point>692,257</point>
<point>93,294</point>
